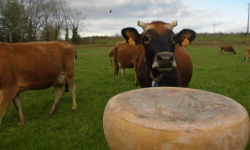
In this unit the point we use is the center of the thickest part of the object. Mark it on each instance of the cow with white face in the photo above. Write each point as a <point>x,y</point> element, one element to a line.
<point>160,60</point>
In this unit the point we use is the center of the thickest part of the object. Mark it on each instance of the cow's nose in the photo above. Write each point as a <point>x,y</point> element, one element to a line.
<point>165,60</point>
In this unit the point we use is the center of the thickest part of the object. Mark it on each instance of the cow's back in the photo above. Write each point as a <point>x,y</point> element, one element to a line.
<point>229,48</point>
<point>35,65</point>
<point>128,55</point>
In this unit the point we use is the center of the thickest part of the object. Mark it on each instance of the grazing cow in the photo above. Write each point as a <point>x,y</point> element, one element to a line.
<point>164,62</point>
<point>247,53</point>
<point>35,66</point>
<point>127,56</point>
<point>227,49</point>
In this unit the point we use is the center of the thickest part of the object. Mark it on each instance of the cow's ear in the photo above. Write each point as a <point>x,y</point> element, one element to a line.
<point>128,33</point>
<point>186,36</point>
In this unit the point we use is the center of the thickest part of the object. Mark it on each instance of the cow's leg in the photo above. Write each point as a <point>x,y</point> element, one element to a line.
<point>72,86</point>
<point>5,99</point>
<point>17,104</point>
<point>58,94</point>
<point>115,69</point>
<point>246,58</point>
<point>122,71</point>
<point>136,76</point>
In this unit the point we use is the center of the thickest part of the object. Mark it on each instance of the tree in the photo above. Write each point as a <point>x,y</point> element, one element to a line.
<point>59,15</point>
<point>35,13</point>
<point>12,17</point>
<point>76,19</point>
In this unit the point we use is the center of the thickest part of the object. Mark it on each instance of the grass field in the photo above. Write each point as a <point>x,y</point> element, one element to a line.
<point>226,74</point>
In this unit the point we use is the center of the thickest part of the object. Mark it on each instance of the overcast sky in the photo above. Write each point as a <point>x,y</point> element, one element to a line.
<point>198,15</point>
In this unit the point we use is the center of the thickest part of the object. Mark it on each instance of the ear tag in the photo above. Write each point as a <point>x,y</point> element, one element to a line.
<point>131,41</point>
<point>185,42</point>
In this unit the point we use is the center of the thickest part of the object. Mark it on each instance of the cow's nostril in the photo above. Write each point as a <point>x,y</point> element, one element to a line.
<point>159,58</point>
<point>171,59</point>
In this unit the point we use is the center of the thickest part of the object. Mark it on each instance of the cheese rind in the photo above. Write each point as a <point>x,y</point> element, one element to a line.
<point>175,118</point>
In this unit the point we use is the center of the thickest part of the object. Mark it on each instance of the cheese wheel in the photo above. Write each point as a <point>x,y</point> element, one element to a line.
<point>167,118</point>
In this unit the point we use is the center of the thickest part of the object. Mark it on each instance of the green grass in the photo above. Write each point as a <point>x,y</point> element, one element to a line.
<point>226,74</point>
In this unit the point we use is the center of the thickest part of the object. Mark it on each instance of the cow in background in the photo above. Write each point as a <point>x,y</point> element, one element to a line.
<point>164,62</point>
<point>227,49</point>
<point>247,53</point>
<point>35,66</point>
<point>127,55</point>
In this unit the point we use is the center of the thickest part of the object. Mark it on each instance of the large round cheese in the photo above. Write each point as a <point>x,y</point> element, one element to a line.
<point>167,118</point>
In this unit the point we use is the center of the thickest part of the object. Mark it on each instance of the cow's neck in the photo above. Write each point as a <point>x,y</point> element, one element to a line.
<point>155,80</point>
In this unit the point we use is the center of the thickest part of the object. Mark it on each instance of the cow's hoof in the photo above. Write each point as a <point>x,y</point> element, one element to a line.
<point>52,112</point>
<point>20,124</point>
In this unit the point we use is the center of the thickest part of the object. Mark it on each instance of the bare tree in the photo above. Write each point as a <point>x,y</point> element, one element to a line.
<point>59,16</point>
<point>29,19</point>
<point>35,10</point>
<point>76,21</point>
<point>12,17</point>
<point>47,26</point>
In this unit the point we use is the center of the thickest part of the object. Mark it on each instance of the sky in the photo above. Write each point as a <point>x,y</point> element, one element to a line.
<point>209,16</point>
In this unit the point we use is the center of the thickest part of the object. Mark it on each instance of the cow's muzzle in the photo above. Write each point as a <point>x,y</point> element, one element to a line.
<point>164,61</point>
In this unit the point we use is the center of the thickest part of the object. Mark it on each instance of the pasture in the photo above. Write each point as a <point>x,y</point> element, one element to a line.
<point>225,74</point>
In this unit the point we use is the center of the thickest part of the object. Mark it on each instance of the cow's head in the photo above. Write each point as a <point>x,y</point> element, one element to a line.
<point>159,41</point>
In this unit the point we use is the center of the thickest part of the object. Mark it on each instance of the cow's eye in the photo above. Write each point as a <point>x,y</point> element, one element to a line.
<point>146,38</point>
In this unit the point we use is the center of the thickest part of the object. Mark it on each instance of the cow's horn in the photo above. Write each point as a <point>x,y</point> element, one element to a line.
<point>173,23</point>
<point>141,24</point>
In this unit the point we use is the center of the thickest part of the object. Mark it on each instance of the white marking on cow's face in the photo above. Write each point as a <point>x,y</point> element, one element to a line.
<point>155,64</point>
<point>174,64</point>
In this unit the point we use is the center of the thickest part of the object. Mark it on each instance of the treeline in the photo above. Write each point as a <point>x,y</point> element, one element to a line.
<point>221,34</point>
<point>32,20</point>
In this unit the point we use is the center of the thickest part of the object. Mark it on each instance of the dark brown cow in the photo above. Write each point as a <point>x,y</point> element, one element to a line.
<point>35,66</point>
<point>126,56</point>
<point>247,53</point>
<point>165,61</point>
<point>227,49</point>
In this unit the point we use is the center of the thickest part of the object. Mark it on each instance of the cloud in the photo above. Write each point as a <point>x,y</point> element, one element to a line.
<point>189,14</point>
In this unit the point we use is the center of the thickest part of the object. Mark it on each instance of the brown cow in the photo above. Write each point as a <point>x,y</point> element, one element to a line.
<point>227,49</point>
<point>127,56</point>
<point>35,66</point>
<point>165,61</point>
<point>112,51</point>
<point>247,53</point>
